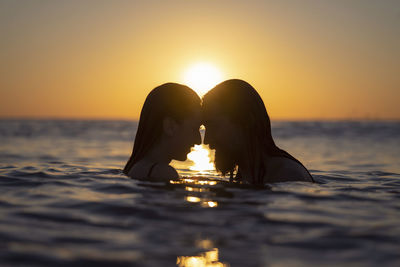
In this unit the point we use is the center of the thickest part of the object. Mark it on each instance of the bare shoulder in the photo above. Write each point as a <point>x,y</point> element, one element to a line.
<point>283,169</point>
<point>163,172</point>
<point>160,172</point>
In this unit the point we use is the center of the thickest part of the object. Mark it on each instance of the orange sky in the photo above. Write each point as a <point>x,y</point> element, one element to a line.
<point>99,59</point>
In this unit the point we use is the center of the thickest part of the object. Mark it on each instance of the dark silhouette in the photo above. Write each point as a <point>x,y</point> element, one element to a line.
<point>238,127</point>
<point>168,126</point>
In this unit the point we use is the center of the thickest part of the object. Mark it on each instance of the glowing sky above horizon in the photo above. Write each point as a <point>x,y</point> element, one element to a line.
<point>99,59</point>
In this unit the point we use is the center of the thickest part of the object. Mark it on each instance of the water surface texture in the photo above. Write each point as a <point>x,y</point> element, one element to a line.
<point>64,201</point>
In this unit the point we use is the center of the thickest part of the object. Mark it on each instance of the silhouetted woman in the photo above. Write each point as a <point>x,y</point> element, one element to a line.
<point>238,127</point>
<point>168,126</point>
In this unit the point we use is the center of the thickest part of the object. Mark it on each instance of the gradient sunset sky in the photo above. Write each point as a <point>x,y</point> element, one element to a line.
<point>99,59</point>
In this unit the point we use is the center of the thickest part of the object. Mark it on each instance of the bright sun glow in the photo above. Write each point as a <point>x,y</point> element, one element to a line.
<point>200,156</point>
<point>202,77</point>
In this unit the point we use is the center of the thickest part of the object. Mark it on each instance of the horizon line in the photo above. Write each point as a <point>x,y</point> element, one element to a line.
<point>137,119</point>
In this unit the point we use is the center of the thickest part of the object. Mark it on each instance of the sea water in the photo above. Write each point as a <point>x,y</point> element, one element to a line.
<point>64,201</point>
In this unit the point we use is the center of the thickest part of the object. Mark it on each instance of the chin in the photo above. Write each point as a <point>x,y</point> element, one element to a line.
<point>181,157</point>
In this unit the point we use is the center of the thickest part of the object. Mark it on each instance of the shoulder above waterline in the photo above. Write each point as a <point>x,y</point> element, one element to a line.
<point>284,169</point>
<point>157,172</point>
<point>164,172</point>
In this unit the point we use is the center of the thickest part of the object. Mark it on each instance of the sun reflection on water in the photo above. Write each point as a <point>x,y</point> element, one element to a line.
<point>206,259</point>
<point>205,203</point>
<point>192,199</point>
<point>201,157</point>
<point>211,204</point>
<point>193,181</point>
<point>195,189</point>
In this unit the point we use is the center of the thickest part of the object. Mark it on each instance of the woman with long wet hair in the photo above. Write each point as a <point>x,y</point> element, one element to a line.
<point>238,127</point>
<point>168,126</point>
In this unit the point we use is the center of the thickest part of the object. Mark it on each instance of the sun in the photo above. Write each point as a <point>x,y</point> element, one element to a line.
<point>201,77</point>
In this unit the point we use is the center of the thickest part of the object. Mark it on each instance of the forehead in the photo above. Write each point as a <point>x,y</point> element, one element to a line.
<point>194,117</point>
<point>214,115</point>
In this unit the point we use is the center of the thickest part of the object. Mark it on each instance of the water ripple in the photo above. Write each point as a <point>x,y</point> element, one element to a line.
<point>64,201</point>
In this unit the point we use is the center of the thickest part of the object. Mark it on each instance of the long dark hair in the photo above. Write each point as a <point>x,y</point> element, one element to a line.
<point>172,100</point>
<point>243,105</point>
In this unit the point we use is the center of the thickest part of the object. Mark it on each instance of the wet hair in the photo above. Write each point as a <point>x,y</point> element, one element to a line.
<point>172,100</point>
<point>242,104</point>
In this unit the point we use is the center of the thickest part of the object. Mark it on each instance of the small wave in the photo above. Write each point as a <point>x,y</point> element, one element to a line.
<point>65,201</point>
<point>37,174</point>
<point>117,189</point>
<point>52,217</point>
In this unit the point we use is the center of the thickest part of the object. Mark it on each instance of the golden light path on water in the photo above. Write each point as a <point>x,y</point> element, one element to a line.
<point>201,157</point>
<point>209,258</point>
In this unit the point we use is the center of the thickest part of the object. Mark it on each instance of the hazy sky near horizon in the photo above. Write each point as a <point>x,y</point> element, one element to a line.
<point>99,59</point>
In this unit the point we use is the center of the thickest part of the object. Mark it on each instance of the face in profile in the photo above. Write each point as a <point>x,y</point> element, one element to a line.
<point>223,136</point>
<point>185,136</point>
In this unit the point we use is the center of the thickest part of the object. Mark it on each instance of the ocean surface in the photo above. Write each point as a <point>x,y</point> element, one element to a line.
<point>64,201</point>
